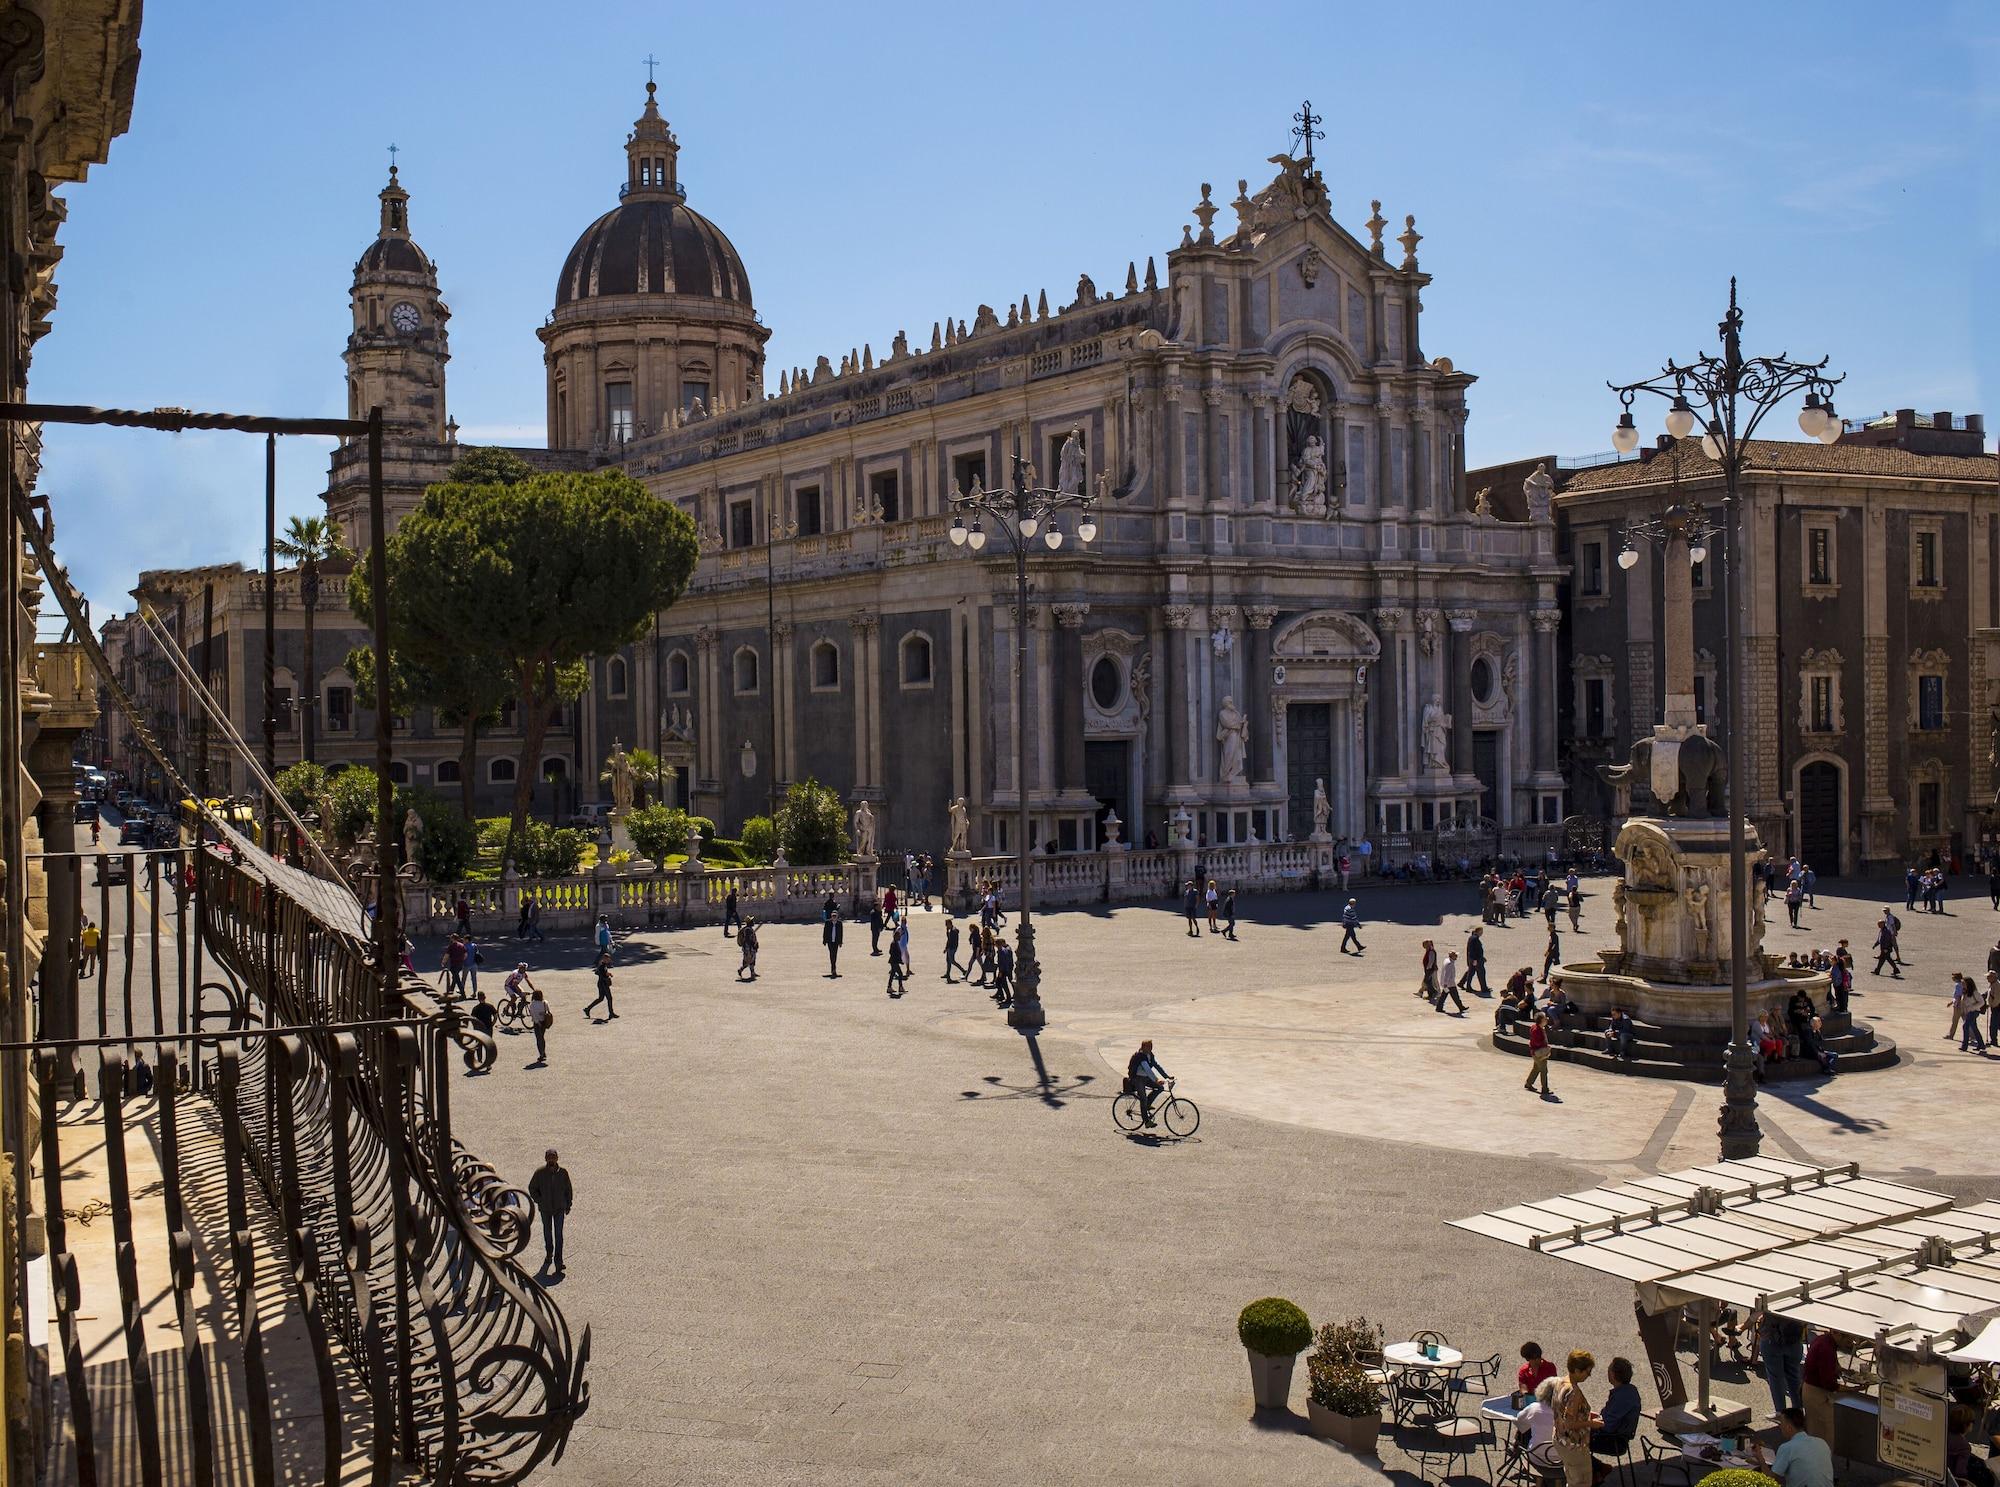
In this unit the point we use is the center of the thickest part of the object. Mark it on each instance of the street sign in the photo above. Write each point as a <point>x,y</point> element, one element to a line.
<point>1914,1409</point>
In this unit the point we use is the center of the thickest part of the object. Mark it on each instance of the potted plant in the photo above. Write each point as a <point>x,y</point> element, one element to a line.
<point>1275,1332</point>
<point>1342,1401</point>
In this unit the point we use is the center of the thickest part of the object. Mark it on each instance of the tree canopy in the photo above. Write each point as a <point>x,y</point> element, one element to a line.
<point>812,824</point>
<point>490,467</point>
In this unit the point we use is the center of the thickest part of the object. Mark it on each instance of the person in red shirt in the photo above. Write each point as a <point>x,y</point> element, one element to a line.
<point>1822,1368</point>
<point>1534,1368</point>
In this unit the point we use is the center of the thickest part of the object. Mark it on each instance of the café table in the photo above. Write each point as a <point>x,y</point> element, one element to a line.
<point>1410,1358</point>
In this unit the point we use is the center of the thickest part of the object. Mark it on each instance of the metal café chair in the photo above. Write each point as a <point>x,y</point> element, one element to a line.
<point>1664,1458</point>
<point>1476,1375</point>
<point>1448,1440</point>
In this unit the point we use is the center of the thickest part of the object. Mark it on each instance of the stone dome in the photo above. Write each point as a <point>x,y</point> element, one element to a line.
<point>393,254</point>
<point>652,243</point>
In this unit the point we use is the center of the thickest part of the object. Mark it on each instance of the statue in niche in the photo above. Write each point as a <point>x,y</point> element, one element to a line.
<point>1069,465</point>
<point>1232,733</point>
<point>1618,909</point>
<point>1309,479</point>
<point>1322,808</point>
<point>1437,733</point>
<point>1142,685</point>
<point>1305,445</point>
<point>1697,902</point>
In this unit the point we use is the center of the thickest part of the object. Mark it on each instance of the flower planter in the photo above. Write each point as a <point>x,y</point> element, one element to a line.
<point>1271,1380</point>
<point>1357,1433</point>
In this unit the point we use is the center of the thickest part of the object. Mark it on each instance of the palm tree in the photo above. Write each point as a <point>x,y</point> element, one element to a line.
<point>310,541</point>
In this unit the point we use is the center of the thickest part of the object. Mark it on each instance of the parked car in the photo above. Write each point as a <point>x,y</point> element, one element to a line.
<point>133,832</point>
<point>86,810</point>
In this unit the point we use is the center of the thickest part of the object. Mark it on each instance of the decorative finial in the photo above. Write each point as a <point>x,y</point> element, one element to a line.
<point>935,341</point>
<point>393,152</point>
<point>1244,208</point>
<point>1042,306</point>
<point>651,62</point>
<point>1409,239</point>
<point>1302,128</point>
<point>1376,222</point>
<point>1131,277</point>
<point>1205,214</point>
<point>1152,276</point>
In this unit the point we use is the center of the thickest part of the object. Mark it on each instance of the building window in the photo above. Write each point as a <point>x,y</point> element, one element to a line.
<point>916,660</point>
<point>555,769</point>
<point>1925,572</point>
<point>1700,698</point>
<point>741,532</point>
<point>448,772</point>
<point>968,470</point>
<point>677,674</point>
<point>500,771</point>
<point>399,772</point>
<point>744,671</point>
<point>1590,569</point>
<point>1698,575</point>
<point>618,411</point>
<point>281,709</point>
<point>1819,555</point>
<point>1596,716</point>
<point>1930,702</point>
<point>340,709</point>
<point>885,496</point>
<point>691,392</point>
<point>1930,807</point>
<point>1820,706</point>
<point>510,714</point>
<point>806,503</point>
<point>825,667</point>
<point>614,677</point>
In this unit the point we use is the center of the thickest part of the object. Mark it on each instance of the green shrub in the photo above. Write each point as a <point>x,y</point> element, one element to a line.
<point>1737,1476</point>
<point>449,842</point>
<point>661,831</point>
<point>812,826</point>
<point>760,839</point>
<point>1338,1381</point>
<point>545,851</point>
<point>350,803</point>
<point>1274,1327</point>
<point>302,787</point>
<point>724,853</point>
<point>492,833</point>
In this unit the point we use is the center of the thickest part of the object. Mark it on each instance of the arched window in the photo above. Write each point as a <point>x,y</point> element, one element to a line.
<point>500,771</point>
<point>677,674</point>
<point>399,771</point>
<point>448,772</point>
<point>614,677</point>
<point>916,659</point>
<point>825,666</point>
<point>554,768</point>
<point>745,672</point>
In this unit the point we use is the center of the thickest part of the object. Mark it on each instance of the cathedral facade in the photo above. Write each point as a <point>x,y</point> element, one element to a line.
<point>1291,583</point>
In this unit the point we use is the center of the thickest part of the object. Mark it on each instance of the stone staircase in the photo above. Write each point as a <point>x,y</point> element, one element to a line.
<point>1697,1053</point>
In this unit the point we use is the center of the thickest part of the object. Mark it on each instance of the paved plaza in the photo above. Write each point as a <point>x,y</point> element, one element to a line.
<point>825,1236</point>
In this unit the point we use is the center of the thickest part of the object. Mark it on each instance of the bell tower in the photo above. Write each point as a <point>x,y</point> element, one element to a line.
<point>397,350</point>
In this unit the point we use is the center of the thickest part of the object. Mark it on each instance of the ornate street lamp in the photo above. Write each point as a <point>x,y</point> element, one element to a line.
<point>1021,514</point>
<point>1732,395</point>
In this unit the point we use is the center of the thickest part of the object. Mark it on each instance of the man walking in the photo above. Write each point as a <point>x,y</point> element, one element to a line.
<point>1448,984</point>
<point>1539,1051</point>
<point>535,919</point>
<point>830,935</point>
<point>1553,955</point>
<point>1475,961</point>
<point>454,965</point>
<point>550,1191</point>
<point>1350,923</point>
<point>1003,974</point>
<point>1885,949</point>
<point>951,948</point>
<point>603,969</point>
<point>1229,914</point>
<point>729,915</point>
<point>1428,989</point>
<point>875,922</point>
<point>899,975</point>
<point>1191,907</point>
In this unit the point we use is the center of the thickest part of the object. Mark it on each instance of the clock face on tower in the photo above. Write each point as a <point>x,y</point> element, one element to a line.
<point>405,317</point>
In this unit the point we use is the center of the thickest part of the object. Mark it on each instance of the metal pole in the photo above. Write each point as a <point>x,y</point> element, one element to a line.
<point>270,634</point>
<point>1026,1012</point>
<point>388,941</point>
<point>771,646</point>
<point>1737,1124</point>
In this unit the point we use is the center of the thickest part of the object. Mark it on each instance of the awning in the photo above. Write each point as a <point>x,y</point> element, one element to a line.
<point>1984,1348</point>
<point>1822,1244</point>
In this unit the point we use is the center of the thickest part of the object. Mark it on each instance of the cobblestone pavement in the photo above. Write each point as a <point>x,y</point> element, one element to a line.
<point>826,1236</point>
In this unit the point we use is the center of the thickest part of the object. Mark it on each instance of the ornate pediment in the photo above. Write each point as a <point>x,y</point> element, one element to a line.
<point>1326,634</point>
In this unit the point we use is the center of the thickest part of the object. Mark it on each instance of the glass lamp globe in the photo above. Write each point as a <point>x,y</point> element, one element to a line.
<point>1680,418</point>
<point>1625,437</point>
<point>957,532</point>
<point>975,539</point>
<point>1812,417</point>
<point>1029,526</point>
<point>1053,536</point>
<point>1628,559</point>
<point>1831,429</point>
<point>1698,553</point>
<point>1710,444</point>
<point>1086,530</point>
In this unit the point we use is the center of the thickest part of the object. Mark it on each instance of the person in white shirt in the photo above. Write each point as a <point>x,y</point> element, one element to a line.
<point>1537,1422</point>
<point>1802,1460</point>
<point>1448,984</point>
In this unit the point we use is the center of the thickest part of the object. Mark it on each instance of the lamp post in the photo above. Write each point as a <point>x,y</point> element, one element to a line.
<point>1020,514</point>
<point>1731,395</point>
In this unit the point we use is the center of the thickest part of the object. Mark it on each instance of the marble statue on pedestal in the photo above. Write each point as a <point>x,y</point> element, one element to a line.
<point>1322,809</point>
<point>1309,479</point>
<point>622,778</point>
<point>1069,464</point>
<point>1232,733</point>
<point>413,841</point>
<point>1437,733</point>
<point>864,830</point>
<point>961,826</point>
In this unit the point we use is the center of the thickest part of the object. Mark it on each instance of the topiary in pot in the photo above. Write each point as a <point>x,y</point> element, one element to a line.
<point>1274,1332</point>
<point>1737,1476</point>
<point>1342,1401</point>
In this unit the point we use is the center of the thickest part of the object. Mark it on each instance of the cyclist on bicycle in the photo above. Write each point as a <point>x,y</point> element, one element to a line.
<point>1145,1078</point>
<point>518,986</point>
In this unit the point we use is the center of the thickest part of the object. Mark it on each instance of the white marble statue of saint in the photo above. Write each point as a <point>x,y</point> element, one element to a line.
<point>1309,479</point>
<point>621,778</point>
<point>961,826</point>
<point>1232,734</point>
<point>864,830</point>
<point>1437,732</point>
<point>1322,808</point>
<point>413,838</point>
<point>1069,465</point>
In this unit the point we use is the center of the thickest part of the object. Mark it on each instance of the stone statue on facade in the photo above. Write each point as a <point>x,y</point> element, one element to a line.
<point>413,842</point>
<point>1322,808</point>
<point>961,826</point>
<point>1232,733</point>
<point>1697,904</point>
<point>1309,479</point>
<point>1069,465</point>
<point>622,778</point>
<point>1540,491</point>
<point>1142,685</point>
<point>864,830</point>
<point>1437,733</point>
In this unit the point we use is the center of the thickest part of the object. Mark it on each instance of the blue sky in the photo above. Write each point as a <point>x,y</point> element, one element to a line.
<point>1586,178</point>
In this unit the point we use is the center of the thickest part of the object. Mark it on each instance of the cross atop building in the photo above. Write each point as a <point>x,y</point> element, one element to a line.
<point>651,62</point>
<point>1302,128</point>
<point>392,158</point>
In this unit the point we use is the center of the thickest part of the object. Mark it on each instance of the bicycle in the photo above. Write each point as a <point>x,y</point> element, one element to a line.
<point>1179,1115</point>
<point>513,1012</point>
